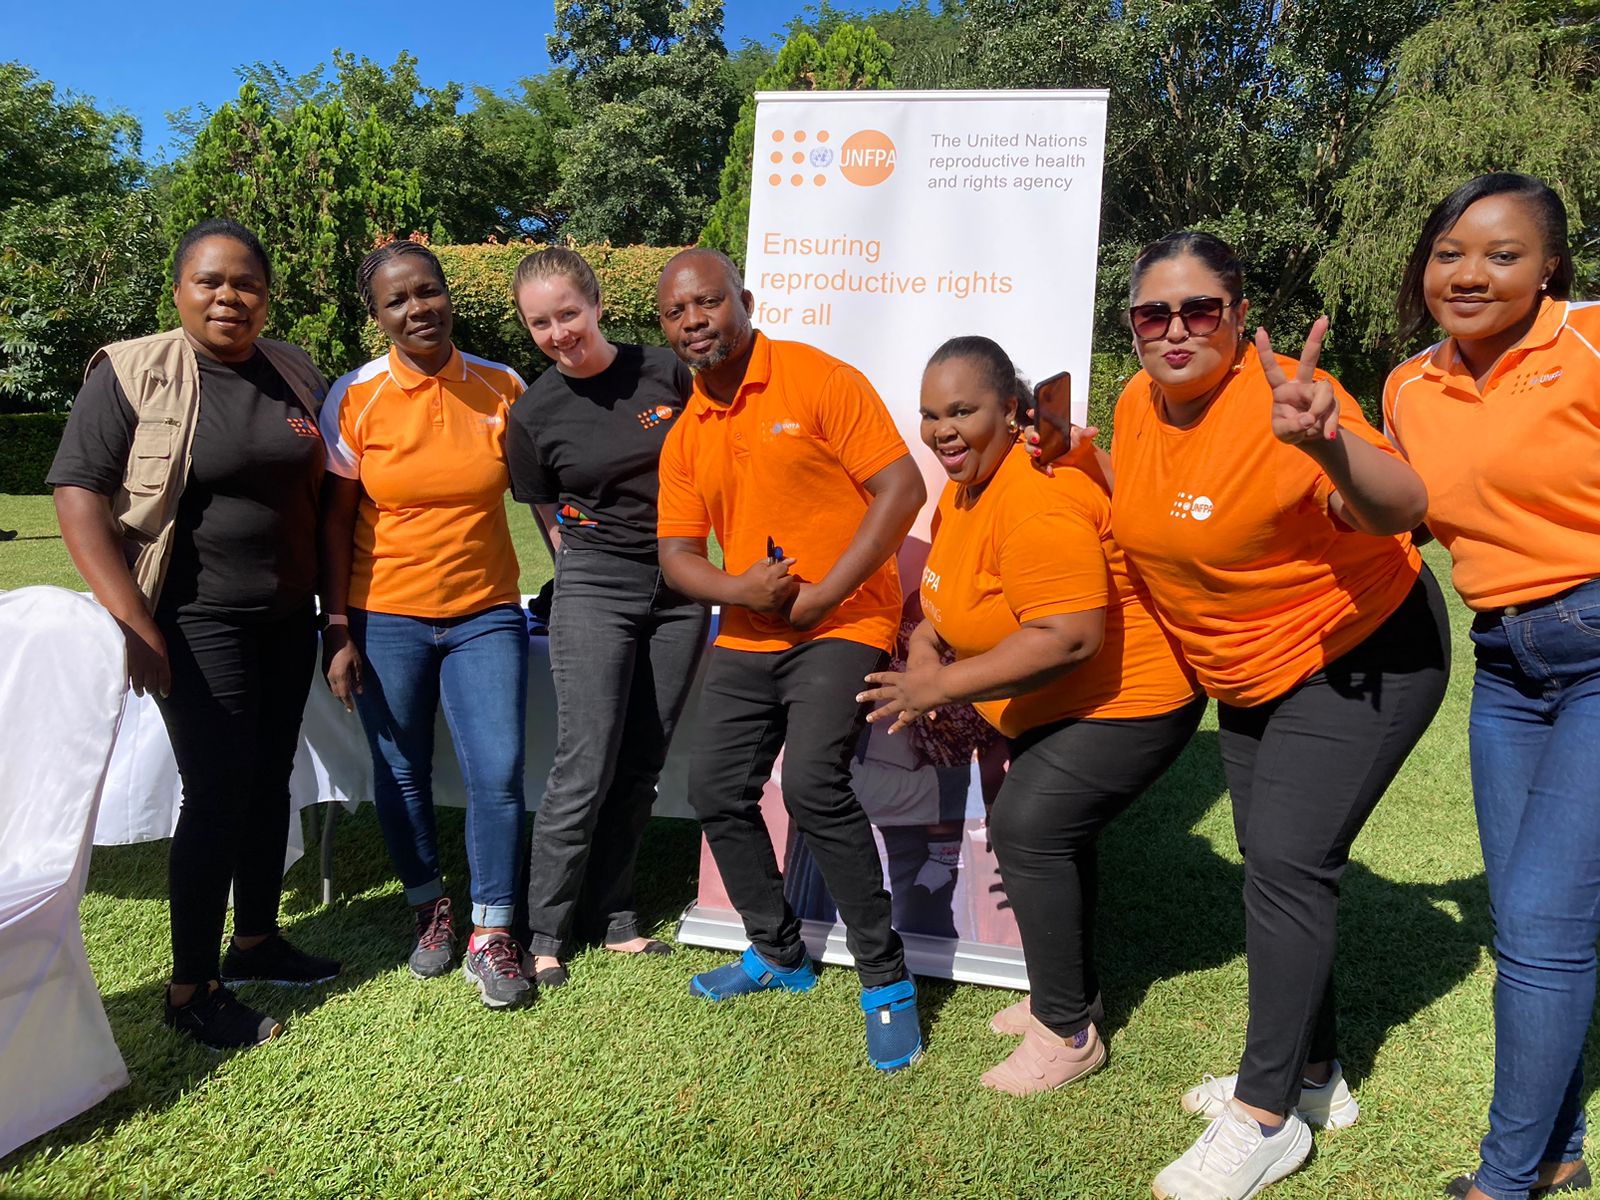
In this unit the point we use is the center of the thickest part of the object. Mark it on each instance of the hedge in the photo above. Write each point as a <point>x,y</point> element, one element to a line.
<point>27,446</point>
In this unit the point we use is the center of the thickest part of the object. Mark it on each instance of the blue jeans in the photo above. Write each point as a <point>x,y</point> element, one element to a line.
<point>1536,784</point>
<point>478,666</point>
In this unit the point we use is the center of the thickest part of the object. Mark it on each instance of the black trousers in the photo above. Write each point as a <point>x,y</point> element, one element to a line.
<point>1305,771</point>
<point>1067,782</point>
<point>238,693</point>
<point>802,700</point>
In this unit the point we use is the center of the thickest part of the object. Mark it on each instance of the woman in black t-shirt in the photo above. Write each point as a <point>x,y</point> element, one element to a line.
<point>583,449</point>
<point>226,644</point>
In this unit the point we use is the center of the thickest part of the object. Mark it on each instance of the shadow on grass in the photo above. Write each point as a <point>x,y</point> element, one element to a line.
<point>1170,905</point>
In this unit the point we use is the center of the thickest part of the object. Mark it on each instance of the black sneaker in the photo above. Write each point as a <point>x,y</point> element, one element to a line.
<point>276,961</point>
<point>434,950</point>
<point>218,1020</point>
<point>496,968</point>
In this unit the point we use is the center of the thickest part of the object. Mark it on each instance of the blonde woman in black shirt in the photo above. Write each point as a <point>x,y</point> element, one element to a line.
<point>583,447</point>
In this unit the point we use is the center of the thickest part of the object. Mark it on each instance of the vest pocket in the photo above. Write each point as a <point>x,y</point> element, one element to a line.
<point>150,458</point>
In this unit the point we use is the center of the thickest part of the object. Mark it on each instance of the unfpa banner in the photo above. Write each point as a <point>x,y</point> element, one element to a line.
<point>882,223</point>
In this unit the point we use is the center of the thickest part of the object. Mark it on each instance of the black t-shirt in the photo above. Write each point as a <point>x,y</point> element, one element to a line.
<point>592,446</point>
<point>244,545</point>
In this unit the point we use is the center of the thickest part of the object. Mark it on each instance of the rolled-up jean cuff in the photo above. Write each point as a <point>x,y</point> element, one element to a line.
<point>424,893</point>
<point>616,935</point>
<point>492,916</point>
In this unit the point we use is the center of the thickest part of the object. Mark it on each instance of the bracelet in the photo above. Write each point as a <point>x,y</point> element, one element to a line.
<point>335,619</point>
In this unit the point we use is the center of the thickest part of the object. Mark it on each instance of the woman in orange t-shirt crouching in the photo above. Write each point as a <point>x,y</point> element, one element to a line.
<point>1268,519</point>
<point>1056,647</point>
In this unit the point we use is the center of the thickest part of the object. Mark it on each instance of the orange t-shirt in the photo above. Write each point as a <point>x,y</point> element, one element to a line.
<point>431,538</point>
<point>1230,530</point>
<point>1513,472</point>
<point>786,460</point>
<point>1032,546</point>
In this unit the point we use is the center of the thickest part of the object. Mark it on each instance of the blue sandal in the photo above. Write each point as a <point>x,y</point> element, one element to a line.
<point>752,973</point>
<point>894,1034</point>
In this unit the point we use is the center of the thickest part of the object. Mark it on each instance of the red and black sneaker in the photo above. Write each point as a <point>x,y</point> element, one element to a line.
<point>495,966</point>
<point>435,947</point>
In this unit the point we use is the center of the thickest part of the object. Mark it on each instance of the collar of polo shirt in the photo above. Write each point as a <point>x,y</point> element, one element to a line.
<point>410,379</point>
<point>757,373</point>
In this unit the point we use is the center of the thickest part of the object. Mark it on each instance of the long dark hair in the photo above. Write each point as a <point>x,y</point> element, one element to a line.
<point>1411,305</point>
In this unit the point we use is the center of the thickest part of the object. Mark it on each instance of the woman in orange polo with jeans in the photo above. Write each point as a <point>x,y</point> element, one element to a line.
<point>1268,520</point>
<point>1502,421</point>
<point>423,604</point>
<point>1057,648</point>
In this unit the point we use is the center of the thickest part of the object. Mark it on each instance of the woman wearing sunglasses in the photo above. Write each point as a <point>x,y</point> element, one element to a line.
<point>1268,521</point>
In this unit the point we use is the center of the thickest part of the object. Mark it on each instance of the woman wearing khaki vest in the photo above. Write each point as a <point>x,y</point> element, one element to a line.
<point>186,485</point>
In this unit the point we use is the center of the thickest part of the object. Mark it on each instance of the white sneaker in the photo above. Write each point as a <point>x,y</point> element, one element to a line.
<point>1330,1106</point>
<point>1234,1160</point>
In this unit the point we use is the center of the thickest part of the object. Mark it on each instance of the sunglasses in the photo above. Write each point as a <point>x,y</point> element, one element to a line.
<point>1199,316</point>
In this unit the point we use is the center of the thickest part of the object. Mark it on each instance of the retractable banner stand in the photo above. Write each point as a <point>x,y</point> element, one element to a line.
<point>881,224</point>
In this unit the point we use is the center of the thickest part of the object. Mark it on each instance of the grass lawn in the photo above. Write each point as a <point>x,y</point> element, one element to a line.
<point>621,1084</point>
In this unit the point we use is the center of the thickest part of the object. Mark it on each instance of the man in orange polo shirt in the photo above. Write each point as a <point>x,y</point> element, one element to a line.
<point>790,457</point>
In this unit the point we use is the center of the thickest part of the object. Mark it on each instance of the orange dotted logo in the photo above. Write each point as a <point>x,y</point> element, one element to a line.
<point>799,157</point>
<point>867,158</point>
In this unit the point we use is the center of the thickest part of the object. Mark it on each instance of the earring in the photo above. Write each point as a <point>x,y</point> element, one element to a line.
<point>1545,286</point>
<point>1011,423</point>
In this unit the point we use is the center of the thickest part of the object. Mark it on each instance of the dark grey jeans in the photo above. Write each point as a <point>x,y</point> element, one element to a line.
<point>623,651</point>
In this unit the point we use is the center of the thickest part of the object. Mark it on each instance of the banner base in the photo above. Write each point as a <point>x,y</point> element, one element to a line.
<point>935,957</point>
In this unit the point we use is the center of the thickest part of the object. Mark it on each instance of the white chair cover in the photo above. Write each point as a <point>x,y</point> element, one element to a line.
<point>61,689</point>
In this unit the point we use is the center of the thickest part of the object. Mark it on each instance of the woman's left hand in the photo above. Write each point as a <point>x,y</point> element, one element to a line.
<point>1305,410</point>
<point>906,696</point>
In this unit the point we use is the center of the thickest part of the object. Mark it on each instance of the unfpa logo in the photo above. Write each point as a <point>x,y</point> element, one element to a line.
<point>1188,506</point>
<point>651,417</point>
<point>867,158</point>
<point>800,156</point>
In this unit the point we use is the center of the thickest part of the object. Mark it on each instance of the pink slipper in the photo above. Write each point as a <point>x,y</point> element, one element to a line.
<point>1012,1020</point>
<point>1043,1061</point>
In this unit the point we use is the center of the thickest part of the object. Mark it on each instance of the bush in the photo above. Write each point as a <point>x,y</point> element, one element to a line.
<point>27,446</point>
<point>486,322</point>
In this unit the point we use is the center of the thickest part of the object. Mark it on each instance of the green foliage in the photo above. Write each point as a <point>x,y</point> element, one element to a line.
<point>653,97</point>
<point>1489,86</point>
<point>30,441</point>
<point>79,245</point>
<point>486,321</point>
<point>854,57</point>
<point>1236,116</point>
<point>320,190</point>
<point>926,43</point>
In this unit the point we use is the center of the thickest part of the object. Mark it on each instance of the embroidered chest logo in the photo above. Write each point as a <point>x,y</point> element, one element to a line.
<point>1189,506</point>
<point>304,427</point>
<point>659,415</point>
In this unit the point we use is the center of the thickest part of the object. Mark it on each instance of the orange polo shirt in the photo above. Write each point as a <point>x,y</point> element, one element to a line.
<point>1032,546</point>
<point>1229,528</point>
<point>1513,471</point>
<point>431,538</point>
<point>787,460</point>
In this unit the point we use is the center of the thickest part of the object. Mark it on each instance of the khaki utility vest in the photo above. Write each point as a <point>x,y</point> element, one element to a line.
<point>161,378</point>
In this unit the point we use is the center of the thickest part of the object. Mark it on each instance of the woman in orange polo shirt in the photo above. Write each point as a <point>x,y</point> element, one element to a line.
<point>1502,421</point>
<point>1057,649</point>
<point>1268,520</point>
<point>423,604</point>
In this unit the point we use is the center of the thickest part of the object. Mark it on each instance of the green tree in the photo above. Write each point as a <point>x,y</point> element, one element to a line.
<point>319,191</point>
<point>1489,86</point>
<point>853,57</point>
<point>79,238</point>
<point>654,100</point>
<point>1238,116</point>
<point>926,43</point>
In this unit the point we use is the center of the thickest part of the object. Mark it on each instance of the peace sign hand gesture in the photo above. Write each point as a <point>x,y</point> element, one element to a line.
<point>1305,410</point>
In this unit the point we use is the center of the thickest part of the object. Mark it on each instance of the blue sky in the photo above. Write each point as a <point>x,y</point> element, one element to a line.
<point>153,56</point>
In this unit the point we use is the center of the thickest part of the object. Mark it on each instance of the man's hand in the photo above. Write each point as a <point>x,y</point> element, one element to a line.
<point>767,587</point>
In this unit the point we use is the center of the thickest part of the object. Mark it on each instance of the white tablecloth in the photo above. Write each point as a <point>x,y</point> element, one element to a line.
<point>332,765</point>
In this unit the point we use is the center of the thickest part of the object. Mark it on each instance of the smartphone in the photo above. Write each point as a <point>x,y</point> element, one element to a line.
<point>1052,412</point>
<point>774,551</point>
